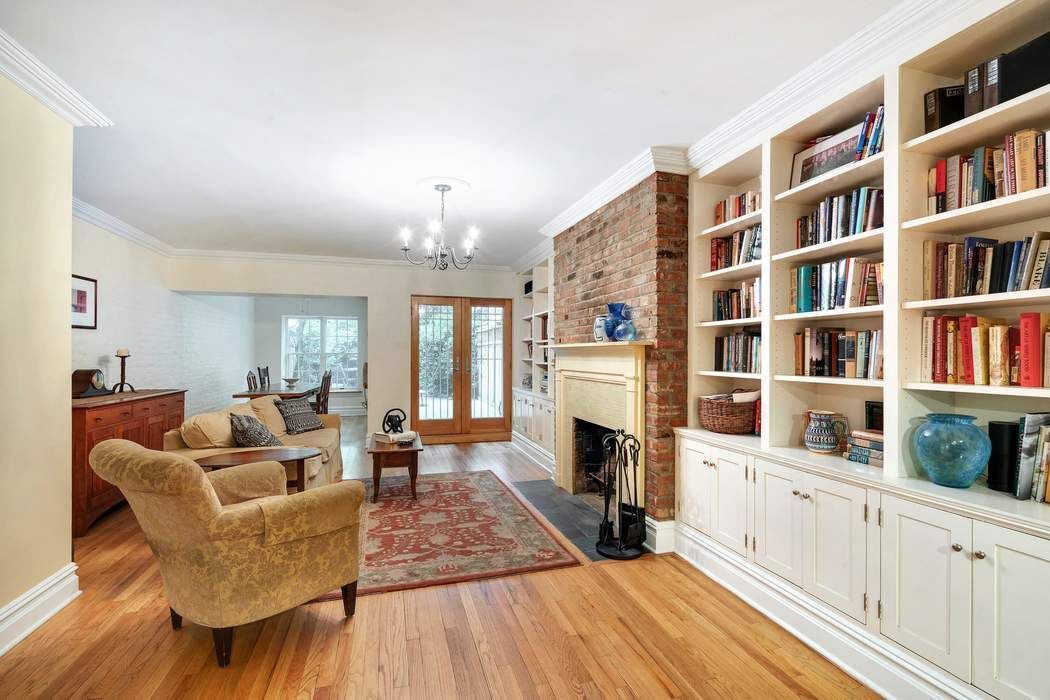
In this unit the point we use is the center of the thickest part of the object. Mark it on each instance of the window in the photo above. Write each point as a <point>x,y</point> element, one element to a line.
<point>311,345</point>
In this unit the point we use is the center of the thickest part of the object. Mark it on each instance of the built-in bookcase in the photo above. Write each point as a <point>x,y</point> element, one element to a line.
<point>902,170</point>
<point>535,309</point>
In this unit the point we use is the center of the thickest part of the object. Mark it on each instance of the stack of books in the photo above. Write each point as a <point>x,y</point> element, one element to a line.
<point>986,351</point>
<point>736,206</point>
<point>985,266</point>
<point>865,447</point>
<point>836,352</point>
<point>739,247</point>
<point>738,303</point>
<point>826,153</point>
<point>988,173</point>
<point>839,216</point>
<point>840,284</point>
<point>1033,450</point>
<point>739,352</point>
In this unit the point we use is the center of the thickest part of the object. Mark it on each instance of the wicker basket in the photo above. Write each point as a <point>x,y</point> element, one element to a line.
<point>728,417</point>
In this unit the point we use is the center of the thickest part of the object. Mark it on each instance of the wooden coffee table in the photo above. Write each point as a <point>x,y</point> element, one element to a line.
<point>387,455</point>
<point>284,455</point>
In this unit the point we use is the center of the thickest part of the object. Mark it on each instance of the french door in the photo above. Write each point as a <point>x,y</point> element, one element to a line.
<point>461,352</point>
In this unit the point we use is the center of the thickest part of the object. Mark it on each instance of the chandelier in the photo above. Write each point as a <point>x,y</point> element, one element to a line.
<point>437,253</point>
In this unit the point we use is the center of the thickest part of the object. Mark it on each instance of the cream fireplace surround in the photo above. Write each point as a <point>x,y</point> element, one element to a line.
<point>603,383</point>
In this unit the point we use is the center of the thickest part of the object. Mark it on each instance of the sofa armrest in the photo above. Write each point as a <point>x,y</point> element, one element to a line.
<point>330,420</point>
<point>173,440</point>
<point>247,481</point>
<point>311,513</point>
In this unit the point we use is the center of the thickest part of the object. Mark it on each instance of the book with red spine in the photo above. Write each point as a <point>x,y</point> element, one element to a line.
<point>1031,349</point>
<point>966,323</point>
<point>940,349</point>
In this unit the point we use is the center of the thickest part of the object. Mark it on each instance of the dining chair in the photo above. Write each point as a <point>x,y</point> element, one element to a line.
<point>320,405</point>
<point>253,383</point>
<point>264,376</point>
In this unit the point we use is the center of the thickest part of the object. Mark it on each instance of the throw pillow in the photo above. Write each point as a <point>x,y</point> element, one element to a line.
<point>248,431</point>
<point>299,417</point>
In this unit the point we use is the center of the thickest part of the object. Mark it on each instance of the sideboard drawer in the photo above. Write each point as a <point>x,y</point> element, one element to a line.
<point>169,404</point>
<point>109,415</point>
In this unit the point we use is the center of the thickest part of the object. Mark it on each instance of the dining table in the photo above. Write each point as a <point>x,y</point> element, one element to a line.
<point>281,390</point>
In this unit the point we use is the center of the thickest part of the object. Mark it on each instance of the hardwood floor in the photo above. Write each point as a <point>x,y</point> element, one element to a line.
<point>654,627</point>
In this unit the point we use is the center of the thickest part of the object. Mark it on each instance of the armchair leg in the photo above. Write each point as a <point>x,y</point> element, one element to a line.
<point>349,599</point>
<point>176,619</point>
<point>223,638</point>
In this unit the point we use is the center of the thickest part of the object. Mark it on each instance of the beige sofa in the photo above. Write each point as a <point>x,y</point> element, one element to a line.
<point>209,433</point>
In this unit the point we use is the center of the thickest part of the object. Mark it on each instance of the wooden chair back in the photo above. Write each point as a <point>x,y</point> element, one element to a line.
<point>321,404</point>
<point>264,376</point>
<point>253,383</point>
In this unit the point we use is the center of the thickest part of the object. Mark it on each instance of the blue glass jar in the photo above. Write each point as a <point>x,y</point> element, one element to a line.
<point>618,324</point>
<point>951,449</point>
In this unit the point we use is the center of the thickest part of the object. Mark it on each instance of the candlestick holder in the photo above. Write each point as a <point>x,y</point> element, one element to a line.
<point>124,384</point>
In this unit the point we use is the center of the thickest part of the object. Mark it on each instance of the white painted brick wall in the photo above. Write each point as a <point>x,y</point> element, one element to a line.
<point>199,342</point>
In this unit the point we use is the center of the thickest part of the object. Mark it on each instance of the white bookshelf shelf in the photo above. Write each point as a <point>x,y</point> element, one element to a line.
<point>1016,208</point>
<point>866,242</point>
<point>987,126</point>
<point>730,322</point>
<point>989,301</point>
<point>853,312</point>
<point>729,375</point>
<point>526,340</point>
<point>985,389</point>
<point>866,171</point>
<point>736,224</point>
<point>840,381</point>
<point>735,272</point>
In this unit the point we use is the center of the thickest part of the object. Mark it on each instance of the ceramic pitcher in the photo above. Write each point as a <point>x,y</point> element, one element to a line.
<point>826,432</point>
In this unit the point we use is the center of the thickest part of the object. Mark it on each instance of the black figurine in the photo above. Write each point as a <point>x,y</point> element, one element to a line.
<point>393,421</point>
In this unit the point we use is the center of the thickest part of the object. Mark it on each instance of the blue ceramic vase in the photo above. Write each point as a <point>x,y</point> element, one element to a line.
<point>618,324</point>
<point>951,449</point>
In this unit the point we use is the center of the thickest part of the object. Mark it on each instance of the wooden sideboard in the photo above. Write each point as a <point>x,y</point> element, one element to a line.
<point>142,416</point>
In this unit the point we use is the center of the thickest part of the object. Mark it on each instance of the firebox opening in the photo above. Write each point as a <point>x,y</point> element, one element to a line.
<point>588,458</point>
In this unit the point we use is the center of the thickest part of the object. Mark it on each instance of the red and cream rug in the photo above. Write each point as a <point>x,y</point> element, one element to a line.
<point>464,526</point>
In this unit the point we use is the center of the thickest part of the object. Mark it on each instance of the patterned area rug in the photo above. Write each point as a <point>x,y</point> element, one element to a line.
<point>464,526</point>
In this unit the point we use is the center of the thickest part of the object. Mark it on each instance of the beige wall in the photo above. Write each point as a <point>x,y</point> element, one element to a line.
<point>36,168</point>
<point>388,288</point>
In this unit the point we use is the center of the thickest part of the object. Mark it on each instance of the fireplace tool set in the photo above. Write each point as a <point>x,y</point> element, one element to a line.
<point>620,474</point>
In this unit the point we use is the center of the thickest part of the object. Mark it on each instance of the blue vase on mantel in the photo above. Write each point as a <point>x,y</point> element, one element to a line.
<point>618,324</point>
<point>951,450</point>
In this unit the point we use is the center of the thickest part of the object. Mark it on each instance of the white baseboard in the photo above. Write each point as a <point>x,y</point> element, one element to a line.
<point>34,607</point>
<point>659,535</point>
<point>541,457</point>
<point>875,662</point>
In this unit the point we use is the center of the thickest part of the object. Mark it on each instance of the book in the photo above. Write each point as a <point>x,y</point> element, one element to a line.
<point>389,438</point>
<point>943,106</point>
<point>1033,327</point>
<point>979,338</point>
<point>973,99</point>
<point>825,154</point>
<point>1025,68</point>
<point>998,355</point>
<point>1030,431</point>
<point>1040,472</point>
<point>863,459</point>
<point>990,92</point>
<point>865,442</point>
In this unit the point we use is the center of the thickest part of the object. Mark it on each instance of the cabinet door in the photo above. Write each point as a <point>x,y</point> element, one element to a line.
<point>778,520</point>
<point>834,549</point>
<point>926,584</point>
<point>694,483</point>
<point>96,485</point>
<point>155,432</point>
<point>729,505</point>
<point>551,427</point>
<point>1011,578</point>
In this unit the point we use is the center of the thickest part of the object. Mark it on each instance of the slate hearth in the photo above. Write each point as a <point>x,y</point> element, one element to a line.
<point>573,517</point>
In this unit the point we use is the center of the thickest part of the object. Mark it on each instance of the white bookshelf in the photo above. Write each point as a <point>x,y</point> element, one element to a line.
<point>534,312</point>
<point>736,224</point>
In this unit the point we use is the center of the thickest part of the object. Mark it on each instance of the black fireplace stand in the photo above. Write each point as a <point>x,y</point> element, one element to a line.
<point>621,460</point>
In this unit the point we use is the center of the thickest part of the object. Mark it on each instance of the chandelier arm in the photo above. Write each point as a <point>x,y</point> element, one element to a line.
<point>414,262</point>
<point>461,264</point>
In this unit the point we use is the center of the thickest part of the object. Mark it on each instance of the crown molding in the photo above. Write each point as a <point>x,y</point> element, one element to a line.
<point>538,254</point>
<point>107,222</point>
<point>26,71</point>
<point>664,159</point>
<point>909,27</point>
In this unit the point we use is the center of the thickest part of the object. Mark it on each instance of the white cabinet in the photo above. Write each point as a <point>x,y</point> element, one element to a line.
<point>778,519</point>
<point>925,581</point>
<point>695,492</point>
<point>1011,579</point>
<point>729,506</point>
<point>834,545</point>
<point>534,418</point>
<point>812,531</point>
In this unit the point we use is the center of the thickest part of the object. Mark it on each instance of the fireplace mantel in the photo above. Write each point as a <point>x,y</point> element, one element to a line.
<point>605,344</point>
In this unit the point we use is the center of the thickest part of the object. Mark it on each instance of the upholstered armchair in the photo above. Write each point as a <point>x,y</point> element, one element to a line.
<point>233,546</point>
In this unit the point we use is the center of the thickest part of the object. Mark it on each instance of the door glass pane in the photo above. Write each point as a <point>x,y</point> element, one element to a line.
<point>486,366</point>
<point>435,361</point>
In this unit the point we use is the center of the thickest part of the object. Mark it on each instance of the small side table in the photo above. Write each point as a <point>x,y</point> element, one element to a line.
<point>284,455</point>
<point>387,455</point>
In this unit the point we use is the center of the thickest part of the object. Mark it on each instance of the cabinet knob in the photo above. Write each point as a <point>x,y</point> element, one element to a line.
<point>805,496</point>
<point>956,547</point>
<point>979,554</point>
<point>795,492</point>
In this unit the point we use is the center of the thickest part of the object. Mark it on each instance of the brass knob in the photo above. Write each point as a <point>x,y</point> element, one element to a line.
<point>805,495</point>
<point>956,547</point>
<point>795,492</point>
<point>979,554</point>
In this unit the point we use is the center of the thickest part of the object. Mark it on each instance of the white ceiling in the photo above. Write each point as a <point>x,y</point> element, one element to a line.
<point>303,127</point>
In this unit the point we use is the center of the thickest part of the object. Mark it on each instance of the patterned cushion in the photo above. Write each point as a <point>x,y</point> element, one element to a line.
<point>298,416</point>
<point>248,431</point>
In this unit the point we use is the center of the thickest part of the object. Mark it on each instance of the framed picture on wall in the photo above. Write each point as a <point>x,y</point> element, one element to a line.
<point>84,306</point>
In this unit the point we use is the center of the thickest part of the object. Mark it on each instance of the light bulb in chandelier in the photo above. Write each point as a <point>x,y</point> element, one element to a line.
<point>406,235</point>
<point>434,226</point>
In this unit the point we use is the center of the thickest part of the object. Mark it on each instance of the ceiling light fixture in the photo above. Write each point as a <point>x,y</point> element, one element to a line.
<point>439,254</point>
